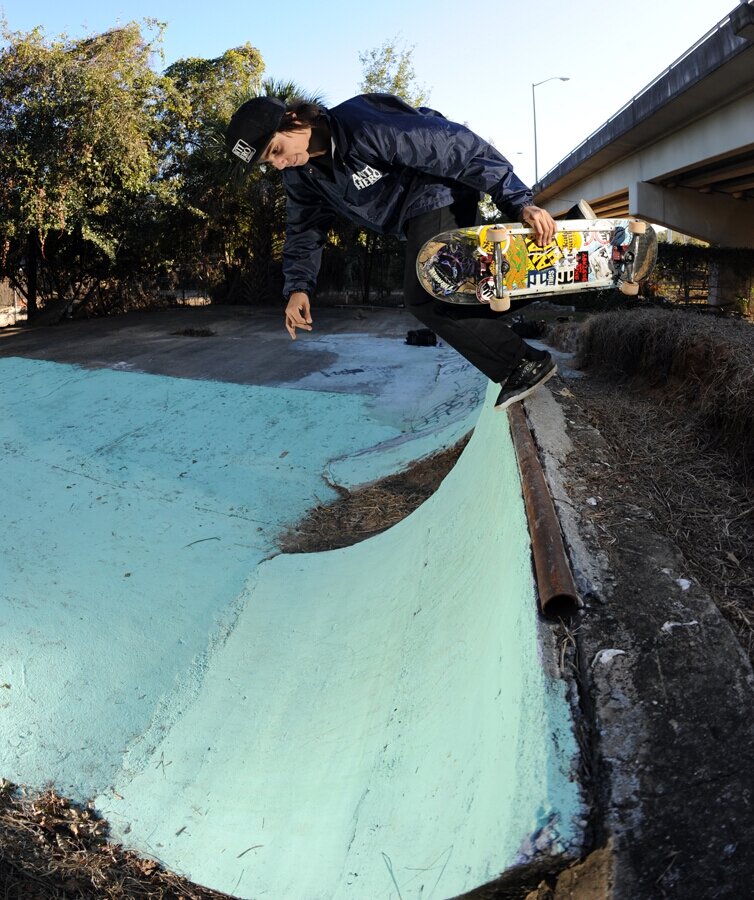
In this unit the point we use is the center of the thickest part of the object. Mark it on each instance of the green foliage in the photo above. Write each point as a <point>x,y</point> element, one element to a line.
<point>389,69</point>
<point>79,121</point>
<point>76,127</point>
<point>111,174</point>
<point>209,90</point>
<point>115,178</point>
<point>199,238</point>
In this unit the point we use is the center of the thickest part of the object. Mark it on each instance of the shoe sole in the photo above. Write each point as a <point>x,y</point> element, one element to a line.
<point>524,394</point>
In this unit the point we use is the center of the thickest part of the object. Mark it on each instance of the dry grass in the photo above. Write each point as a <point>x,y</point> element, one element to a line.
<point>673,395</point>
<point>53,849</point>
<point>704,363</point>
<point>367,511</point>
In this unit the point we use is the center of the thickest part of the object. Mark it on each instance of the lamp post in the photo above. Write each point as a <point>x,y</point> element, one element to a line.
<point>534,110</point>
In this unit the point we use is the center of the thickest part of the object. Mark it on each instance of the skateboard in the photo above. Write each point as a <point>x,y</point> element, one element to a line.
<point>496,263</point>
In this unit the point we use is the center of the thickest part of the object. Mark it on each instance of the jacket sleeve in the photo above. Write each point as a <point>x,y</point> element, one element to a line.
<point>436,146</point>
<point>308,221</point>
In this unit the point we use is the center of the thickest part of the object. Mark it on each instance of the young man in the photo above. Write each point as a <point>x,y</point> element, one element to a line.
<point>396,170</point>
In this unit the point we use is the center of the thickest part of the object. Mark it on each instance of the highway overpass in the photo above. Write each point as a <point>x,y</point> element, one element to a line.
<point>681,152</point>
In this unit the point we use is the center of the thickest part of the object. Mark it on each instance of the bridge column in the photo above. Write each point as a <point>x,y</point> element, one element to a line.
<point>727,286</point>
<point>715,218</point>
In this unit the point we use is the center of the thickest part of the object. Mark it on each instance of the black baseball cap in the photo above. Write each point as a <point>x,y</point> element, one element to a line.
<point>252,128</point>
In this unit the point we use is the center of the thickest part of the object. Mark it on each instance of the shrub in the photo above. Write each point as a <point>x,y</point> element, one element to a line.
<point>705,363</point>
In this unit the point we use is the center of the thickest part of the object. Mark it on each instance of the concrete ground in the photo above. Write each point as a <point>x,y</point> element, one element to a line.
<point>380,721</point>
<point>662,692</point>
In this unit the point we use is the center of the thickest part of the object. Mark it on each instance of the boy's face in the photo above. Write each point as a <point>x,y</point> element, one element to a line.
<point>288,148</point>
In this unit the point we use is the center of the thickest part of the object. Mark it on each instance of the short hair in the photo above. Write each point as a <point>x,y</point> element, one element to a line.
<point>307,114</point>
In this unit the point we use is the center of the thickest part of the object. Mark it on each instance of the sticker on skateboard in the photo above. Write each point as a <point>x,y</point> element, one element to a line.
<point>495,263</point>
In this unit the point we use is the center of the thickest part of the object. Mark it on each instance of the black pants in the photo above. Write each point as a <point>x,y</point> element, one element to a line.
<point>476,332</point>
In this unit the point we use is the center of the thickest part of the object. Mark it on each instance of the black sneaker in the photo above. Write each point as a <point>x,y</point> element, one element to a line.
<point>525,379</point>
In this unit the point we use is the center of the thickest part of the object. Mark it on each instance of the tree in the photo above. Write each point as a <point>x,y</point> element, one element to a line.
<point>386,69</point>
<point>212,87</point>
<point>197,237</point>
<point>389,69</point>
<point>79,121</point>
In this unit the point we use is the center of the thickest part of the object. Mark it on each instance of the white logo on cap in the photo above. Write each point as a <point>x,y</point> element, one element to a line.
<point>243,150</point>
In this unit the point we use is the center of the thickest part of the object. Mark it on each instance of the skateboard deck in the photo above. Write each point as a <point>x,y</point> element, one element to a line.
<point>497,263</point>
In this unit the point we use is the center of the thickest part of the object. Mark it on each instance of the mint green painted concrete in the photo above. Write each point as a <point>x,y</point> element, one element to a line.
<point>377,723</point>
<point>373,722</point>
<point>134,508</point>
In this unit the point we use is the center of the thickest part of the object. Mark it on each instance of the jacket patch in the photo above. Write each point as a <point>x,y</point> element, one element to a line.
<point>366,177</point>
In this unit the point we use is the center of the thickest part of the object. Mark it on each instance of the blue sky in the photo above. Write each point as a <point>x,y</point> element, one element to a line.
<point>478,62</point>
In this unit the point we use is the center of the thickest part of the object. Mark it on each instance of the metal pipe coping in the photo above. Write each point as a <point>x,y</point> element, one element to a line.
<point>558,597</point>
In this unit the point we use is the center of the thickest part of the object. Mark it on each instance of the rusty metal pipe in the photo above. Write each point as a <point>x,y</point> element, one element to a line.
<point>558,598</point>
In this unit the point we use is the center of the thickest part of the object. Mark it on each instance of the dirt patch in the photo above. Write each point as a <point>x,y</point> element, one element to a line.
<point>661,545</point>
<point>368,510</point>
<point>690,488</point>
<point>587,880</point>
<point>195,332</point>
<point>53,849</point>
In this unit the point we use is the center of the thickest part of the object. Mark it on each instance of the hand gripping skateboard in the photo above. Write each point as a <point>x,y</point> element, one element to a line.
<point>493,264</point>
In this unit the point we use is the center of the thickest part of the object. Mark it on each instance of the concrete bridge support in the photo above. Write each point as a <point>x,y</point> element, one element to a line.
<point>715,218</point>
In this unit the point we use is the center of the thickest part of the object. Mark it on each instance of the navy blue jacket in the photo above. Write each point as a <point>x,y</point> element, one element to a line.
<point>390,162</point>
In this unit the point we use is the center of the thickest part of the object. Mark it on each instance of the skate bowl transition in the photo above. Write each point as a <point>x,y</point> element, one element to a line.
<point>378,721</point>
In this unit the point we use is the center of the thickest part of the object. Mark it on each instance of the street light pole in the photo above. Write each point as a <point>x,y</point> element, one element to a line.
<point>534,110</point>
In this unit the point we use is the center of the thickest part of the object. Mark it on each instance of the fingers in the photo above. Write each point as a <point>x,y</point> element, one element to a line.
<point>545,229</point>
<point>542,223</point>
<point>294,322</point>
<point>298,315</point>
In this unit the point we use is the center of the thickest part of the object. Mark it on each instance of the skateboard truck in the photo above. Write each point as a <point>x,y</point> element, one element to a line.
<point>497,236</point>
<point>624,277</point>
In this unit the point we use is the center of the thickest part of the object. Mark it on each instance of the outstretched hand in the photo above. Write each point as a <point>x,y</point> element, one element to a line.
<point>298,314</point>
<point>545,227</point>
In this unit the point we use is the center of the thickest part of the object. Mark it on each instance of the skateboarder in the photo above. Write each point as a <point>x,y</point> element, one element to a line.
<point>396,170</point>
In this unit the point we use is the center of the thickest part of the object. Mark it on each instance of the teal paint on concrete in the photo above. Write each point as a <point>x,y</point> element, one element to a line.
<point>427,413</point>
<point>368,721</point>
<point>377,723</point>
<point>135,506</point>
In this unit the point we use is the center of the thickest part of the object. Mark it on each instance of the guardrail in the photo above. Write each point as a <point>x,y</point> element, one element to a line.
<point>656,80</point>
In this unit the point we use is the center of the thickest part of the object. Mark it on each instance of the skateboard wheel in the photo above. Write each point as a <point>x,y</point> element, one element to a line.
<point>497,235</point>
<point>500,304</point>
<point>637,227</point>
<point>629,288</point>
